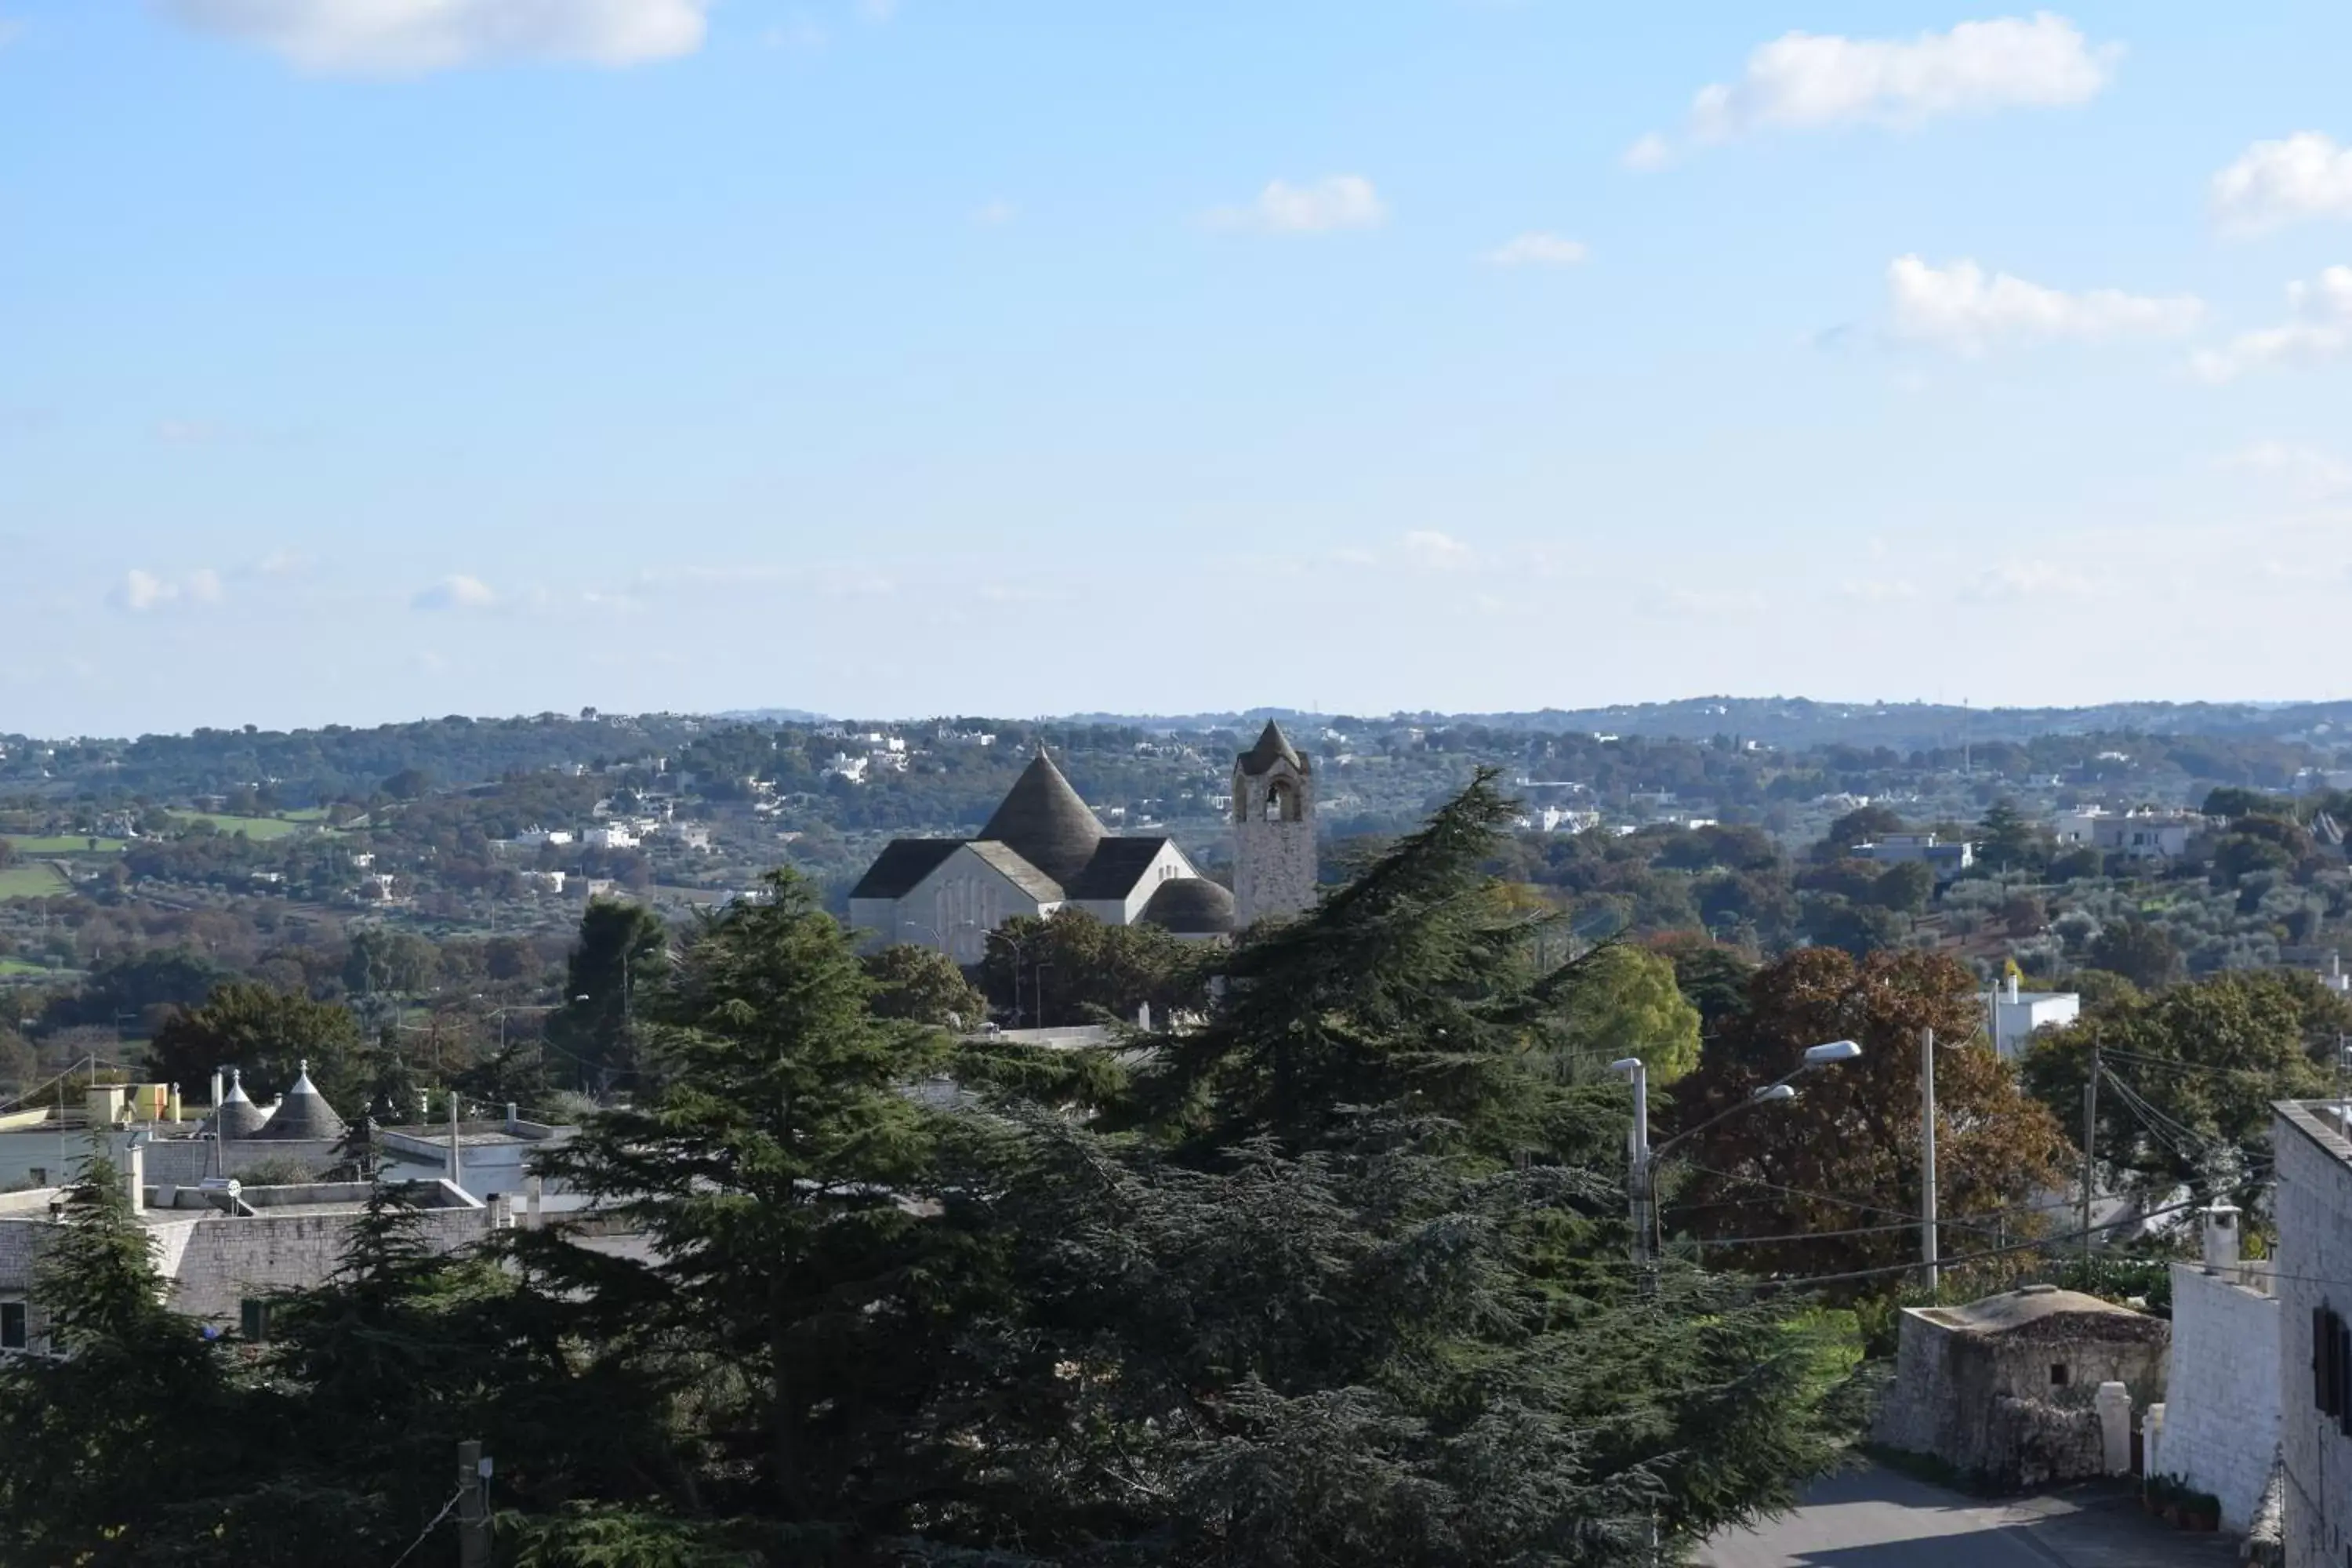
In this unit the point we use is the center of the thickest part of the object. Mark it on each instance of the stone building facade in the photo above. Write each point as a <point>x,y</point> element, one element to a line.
<point>1274,869</point>
<point>2314,1199</point>
<point>2007,1390</point>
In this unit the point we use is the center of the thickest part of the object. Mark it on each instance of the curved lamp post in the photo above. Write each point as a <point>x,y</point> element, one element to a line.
<point>1641,1168</point>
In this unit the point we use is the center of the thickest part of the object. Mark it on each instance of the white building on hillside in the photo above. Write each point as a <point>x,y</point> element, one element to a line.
<point>2014,1015</point>
<point>2142,835</point>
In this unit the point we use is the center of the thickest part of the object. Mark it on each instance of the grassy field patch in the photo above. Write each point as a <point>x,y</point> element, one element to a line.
<point>39,880</point>
<point>260,829</point>
<point>62,844</point>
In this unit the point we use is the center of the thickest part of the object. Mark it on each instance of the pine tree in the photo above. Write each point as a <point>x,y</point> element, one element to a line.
<point>778,1178</point>
<point>1415,987</point>
<point>112,1436</point>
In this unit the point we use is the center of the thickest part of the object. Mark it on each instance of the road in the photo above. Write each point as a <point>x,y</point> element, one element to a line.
<point>1874,1518</point>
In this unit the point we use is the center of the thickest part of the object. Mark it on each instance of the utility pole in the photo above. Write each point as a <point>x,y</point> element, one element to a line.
<point>1928,1162</point>
<point>2090,1141</point>
<point>1637,1172</point>
<point>473,1507</point>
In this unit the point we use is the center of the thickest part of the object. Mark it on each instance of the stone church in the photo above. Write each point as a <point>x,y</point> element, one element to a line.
<point>1045,849</point>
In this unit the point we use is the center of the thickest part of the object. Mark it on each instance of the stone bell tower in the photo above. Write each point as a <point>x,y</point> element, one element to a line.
<point>1274,831</point>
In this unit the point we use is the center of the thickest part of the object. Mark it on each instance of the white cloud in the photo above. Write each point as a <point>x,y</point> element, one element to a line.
<point>9,29</point>
<point>994,214</point>
<point>283,563</point>
<point>2320,330</point>
<point>2274,182</point>
<point>142,590</point>
<point>1875,592</point>
<point>1539,250</point>
<point>1440,552</point>
<point>406,37</point>
<point>2025,580</point>
<point>1339,201</point>
<point>2306,471</point>
<point>877,10</point>
<point>456,592</point>
<point>1963,308</point>
<point>1650,151</point>
<point>1809,80</point>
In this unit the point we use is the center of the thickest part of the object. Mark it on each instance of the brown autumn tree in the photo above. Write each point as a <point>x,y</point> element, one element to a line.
<point>1844,1154</point>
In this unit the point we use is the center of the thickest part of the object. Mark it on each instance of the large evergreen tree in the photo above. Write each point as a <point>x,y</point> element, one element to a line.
<point>780,1178</point>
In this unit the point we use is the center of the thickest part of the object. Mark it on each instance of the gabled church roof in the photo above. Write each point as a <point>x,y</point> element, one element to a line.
<point>1117,866</point>
<point>303,1113</point>
<point>1273,746</point>
<point>901,866</point>
<point>1017,870</point>
<point>1044,821</point>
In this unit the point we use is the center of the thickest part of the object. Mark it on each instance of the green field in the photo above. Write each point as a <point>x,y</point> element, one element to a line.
<point>307,813</point>
<point>10,967</point>
<point>61,844</point>
<point>34,881</point>
<point>258,828</point>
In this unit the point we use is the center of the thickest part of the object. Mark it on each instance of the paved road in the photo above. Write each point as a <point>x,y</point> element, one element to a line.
<point>1874,1518</point>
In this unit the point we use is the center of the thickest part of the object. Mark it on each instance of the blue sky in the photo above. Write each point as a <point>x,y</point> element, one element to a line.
<point>367,359</point>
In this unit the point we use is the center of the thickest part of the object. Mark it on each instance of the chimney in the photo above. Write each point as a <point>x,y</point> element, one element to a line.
<point>2013,988</point>
<point>176,1102</point>
<point>136,1162</point>
<point>2221,1240</point>
<point>216,1090</point>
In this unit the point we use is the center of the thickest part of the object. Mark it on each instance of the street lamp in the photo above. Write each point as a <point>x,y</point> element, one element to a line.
<point>1642,1163</point>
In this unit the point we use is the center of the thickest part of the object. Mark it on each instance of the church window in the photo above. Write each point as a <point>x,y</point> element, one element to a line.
<point>1282,801</point>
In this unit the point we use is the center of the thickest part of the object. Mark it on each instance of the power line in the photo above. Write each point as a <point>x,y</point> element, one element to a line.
<point>454,1498</point>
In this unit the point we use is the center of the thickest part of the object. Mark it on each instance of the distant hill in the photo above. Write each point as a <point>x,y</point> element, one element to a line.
<point>1798,721</point>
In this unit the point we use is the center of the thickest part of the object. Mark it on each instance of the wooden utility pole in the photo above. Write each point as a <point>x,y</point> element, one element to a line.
<point>473,1507</point>
<point>1927,1160</point>
<point>2090,1142</point>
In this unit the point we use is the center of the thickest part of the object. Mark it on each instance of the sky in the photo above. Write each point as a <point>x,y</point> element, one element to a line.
<point>367,359</point>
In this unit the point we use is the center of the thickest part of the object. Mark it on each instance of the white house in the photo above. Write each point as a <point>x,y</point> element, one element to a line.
<point>843,765</point>
<point>2218,1428</point>
<point>2016,1014</point>
<point>613,836</point>
<point>1947,860</point>
<point>538,838</point>
<point>2143,834</point>
<point>2313,1280</point>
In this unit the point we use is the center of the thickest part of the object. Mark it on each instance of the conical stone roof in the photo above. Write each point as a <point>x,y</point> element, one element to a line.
<point>1273,746</point>
<point>303,1113</point>
<point>236,1117</point>
<point>1044,821</point>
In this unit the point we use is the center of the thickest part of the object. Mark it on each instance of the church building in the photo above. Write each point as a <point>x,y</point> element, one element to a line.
<point>1045,849</point>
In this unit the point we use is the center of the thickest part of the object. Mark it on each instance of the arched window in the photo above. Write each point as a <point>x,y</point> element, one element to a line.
<point>1282,801</point>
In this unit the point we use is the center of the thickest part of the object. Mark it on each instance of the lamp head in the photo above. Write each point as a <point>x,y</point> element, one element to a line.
<point>1773,1094</point>
<point>1629,1066</point>
<point>1833,1052</point>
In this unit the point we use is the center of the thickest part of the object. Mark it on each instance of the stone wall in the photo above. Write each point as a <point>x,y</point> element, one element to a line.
<point>2222,1401</point>
<point>226,1260</point>
<point>2314,1198</point>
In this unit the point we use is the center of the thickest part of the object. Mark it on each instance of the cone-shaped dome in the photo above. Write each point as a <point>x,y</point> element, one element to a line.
<point>236,1117</point>
<point>303,1113</point>
<point>1044,821</point>
<point>1273,746</point>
